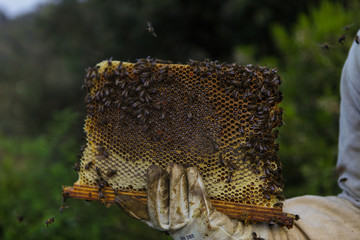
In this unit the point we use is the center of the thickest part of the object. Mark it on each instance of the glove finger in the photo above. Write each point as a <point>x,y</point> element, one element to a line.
<point>179,208</point>
<point>132,207</point>
<point>158,197</point>
<point>199,200</point>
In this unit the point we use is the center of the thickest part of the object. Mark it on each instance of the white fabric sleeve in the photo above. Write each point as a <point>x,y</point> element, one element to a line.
<point>321,218</point>
<point>348,165</point>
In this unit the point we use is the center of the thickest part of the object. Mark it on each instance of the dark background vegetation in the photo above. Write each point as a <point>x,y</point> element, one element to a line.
<point>42,60</point>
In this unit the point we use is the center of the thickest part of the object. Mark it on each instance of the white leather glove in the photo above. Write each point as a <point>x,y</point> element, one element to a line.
<point>178,203</point>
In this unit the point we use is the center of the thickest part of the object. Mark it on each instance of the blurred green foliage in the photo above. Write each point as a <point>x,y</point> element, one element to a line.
<point>43,55</point>
<point>311,77</point>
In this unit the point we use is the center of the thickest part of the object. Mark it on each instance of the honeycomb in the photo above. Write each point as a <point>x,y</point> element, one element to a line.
<point>220,118</point>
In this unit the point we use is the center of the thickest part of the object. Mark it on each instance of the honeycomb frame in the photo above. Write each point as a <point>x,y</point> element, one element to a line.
<point>221,118</point>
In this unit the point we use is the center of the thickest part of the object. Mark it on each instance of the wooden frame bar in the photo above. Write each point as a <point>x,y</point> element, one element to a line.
<point>244,212</point>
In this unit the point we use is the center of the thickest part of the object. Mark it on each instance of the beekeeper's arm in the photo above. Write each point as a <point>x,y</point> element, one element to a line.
<point>178,203</point>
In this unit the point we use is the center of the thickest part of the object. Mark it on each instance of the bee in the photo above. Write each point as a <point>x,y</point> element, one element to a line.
<point>135,104</point>
<point>82,148</point>
<point>101,108</point>
<point>142,92</point>
<point>148,98</point>
<point>109,61</point>
<point>98,171</point>
<point>162,116</point>
<point>247,93</point>
<point>102,151</point>
<point>343,179</point>
<point>325,46</point>
<point>189,115</point>
<point>221,160</point>
<point>235,93</point>
<point>150,29</point>
<point>215,146</point>
<point>101,182</point>
<point>347,27</point>
<point>88,165</point>
<point>146,83</point>
<point>125,93</point>
<point>341,39</point>
<point>90,108</point>
<point>266,196</point>
<point>357,39</point>
<point>111,173</point>
<point>297,217</point>
<point>229,178</point>
<point>65,195</point>
<point>255,237</point>
<point>101,194</point>
<point>62,208</point>
<point>77,167</point>
<point>49,221</point>
<point>20,218</point>
<point>278,204</point>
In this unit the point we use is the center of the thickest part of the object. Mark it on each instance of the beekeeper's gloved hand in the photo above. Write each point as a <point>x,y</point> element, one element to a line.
<point>178,203</point>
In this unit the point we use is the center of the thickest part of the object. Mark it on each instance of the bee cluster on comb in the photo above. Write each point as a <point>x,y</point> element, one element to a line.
<point>218,117</point>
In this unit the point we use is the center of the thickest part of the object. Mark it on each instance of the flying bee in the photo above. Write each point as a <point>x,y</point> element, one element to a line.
<point>49,221</point>
<point>62,208</point>
<point>357,39</point>
<point>325,46</point>
<point>347,27</point>
<point>150,29</point>
<point>341,39</point>
<point>20,218</point>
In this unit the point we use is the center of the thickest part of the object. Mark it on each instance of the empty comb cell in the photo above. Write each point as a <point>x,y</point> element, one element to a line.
<point>220,118</point>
